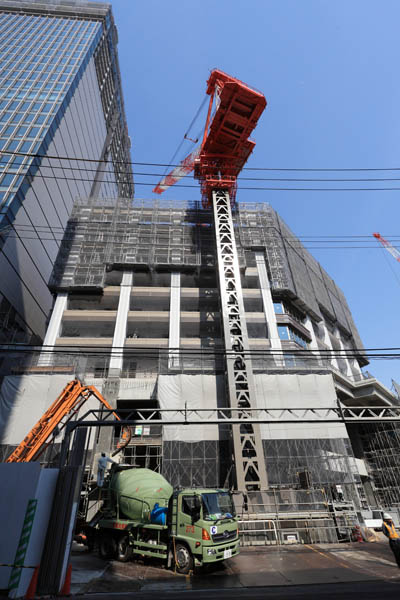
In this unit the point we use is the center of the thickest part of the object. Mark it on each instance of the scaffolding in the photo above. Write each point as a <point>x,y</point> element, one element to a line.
<point>381,445</point>
<point>105,238</point>
<point>106,234</point>
<point>293,516</point>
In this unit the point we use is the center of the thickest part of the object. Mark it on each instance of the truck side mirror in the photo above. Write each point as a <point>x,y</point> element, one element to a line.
<point>245,503</point>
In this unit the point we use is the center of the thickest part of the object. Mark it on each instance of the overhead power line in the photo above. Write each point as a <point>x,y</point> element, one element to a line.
<point>110,239</point>
<point>389,352</point>
<point>195,186</point>
<point>308,245</point>
<point>283,179</point>
<point>247,188</point>
<point>25,232</point>
<point>305,237</point>
<point>156,164</point>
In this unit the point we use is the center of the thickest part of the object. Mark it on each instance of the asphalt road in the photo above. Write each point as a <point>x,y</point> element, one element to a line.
<point>337,591</point>
<point>325,571</point>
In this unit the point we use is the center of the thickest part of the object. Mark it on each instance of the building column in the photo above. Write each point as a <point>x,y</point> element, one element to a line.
<point>349,372</point>
<point>269,312</point>
<point>328,344</point>
<point>53,330</point>
<point>175,318</point>
<point>313,345</point>
<point>117,351</point>
<point>355,366</point>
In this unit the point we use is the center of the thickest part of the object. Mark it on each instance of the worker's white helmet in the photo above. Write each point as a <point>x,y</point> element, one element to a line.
<point>387,517</point>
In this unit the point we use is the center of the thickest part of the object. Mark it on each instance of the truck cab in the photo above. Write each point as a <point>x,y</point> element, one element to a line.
<point>204,528</point>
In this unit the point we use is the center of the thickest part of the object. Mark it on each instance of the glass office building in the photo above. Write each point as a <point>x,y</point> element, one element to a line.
<point>63,135</point>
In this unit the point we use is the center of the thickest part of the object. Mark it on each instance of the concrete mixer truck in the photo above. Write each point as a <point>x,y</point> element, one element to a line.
<point>143,514</point>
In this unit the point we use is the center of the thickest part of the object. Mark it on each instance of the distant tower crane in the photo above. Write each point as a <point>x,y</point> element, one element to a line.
<point>393,251</point>
<point>233,112</point>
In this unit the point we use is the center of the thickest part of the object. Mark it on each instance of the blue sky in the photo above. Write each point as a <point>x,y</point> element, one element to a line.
<point>329,71</point>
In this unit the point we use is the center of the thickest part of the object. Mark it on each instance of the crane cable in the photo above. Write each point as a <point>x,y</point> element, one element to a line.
<point>185,138</point>
<point>389,262</point>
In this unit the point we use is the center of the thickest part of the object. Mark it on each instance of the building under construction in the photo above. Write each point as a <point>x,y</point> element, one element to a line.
<point>214,310</point>
<point>137,293</point>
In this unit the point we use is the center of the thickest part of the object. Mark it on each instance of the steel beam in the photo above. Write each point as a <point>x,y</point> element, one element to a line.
<point>189,416</point>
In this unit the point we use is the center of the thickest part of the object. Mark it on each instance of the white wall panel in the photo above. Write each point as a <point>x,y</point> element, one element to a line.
<point>302,391</point>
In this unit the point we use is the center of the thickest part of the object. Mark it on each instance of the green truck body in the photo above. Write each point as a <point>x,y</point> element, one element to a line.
<point>144,515</point>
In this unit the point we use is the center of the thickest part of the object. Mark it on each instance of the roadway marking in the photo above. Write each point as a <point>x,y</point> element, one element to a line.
<point>327,556</point>
<point>335,559</point>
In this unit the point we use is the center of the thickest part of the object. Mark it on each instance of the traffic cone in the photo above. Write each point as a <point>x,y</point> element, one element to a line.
<point>66,588</point>
<point>31,591</point>
<point>356,534</point>
<point>359,534</point>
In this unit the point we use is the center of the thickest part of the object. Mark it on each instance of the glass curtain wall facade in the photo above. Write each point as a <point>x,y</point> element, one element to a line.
<point>60,100</point>
<point>39,59</point>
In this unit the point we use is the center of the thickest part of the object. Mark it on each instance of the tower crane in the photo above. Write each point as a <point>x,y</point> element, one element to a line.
<point>393,251</point>
<point>233,111</point>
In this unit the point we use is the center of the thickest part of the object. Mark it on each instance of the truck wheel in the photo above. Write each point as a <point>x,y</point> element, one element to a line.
<point>107,546</point>
<point>124,550</point>
<point>184,559</point>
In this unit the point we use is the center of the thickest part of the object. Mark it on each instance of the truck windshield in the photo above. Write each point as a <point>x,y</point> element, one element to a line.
<point>217,505</point>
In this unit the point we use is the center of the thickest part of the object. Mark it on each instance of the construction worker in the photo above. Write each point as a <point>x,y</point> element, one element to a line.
<point>101,468</point>
<point>389,530</point>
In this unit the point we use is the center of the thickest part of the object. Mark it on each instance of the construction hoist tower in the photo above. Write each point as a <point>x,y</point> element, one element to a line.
<point>233,112</point>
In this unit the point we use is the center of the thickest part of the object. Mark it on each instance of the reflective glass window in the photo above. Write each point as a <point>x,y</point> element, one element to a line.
<point>17,117</point>
<point>21,131</point>
<point>12,145</point>
<point>17,161</point>
<point>25,147</point>
<point>34,131</point>
<point>7,179</point>
<point>283,332</point>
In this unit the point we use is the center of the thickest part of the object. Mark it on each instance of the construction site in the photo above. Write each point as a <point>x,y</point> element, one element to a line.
<point>221,343</point>
<point>150,267</point>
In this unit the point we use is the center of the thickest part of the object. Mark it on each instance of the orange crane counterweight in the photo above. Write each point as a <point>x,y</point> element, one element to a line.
<point>233,112</point>
<point>226,145</point>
